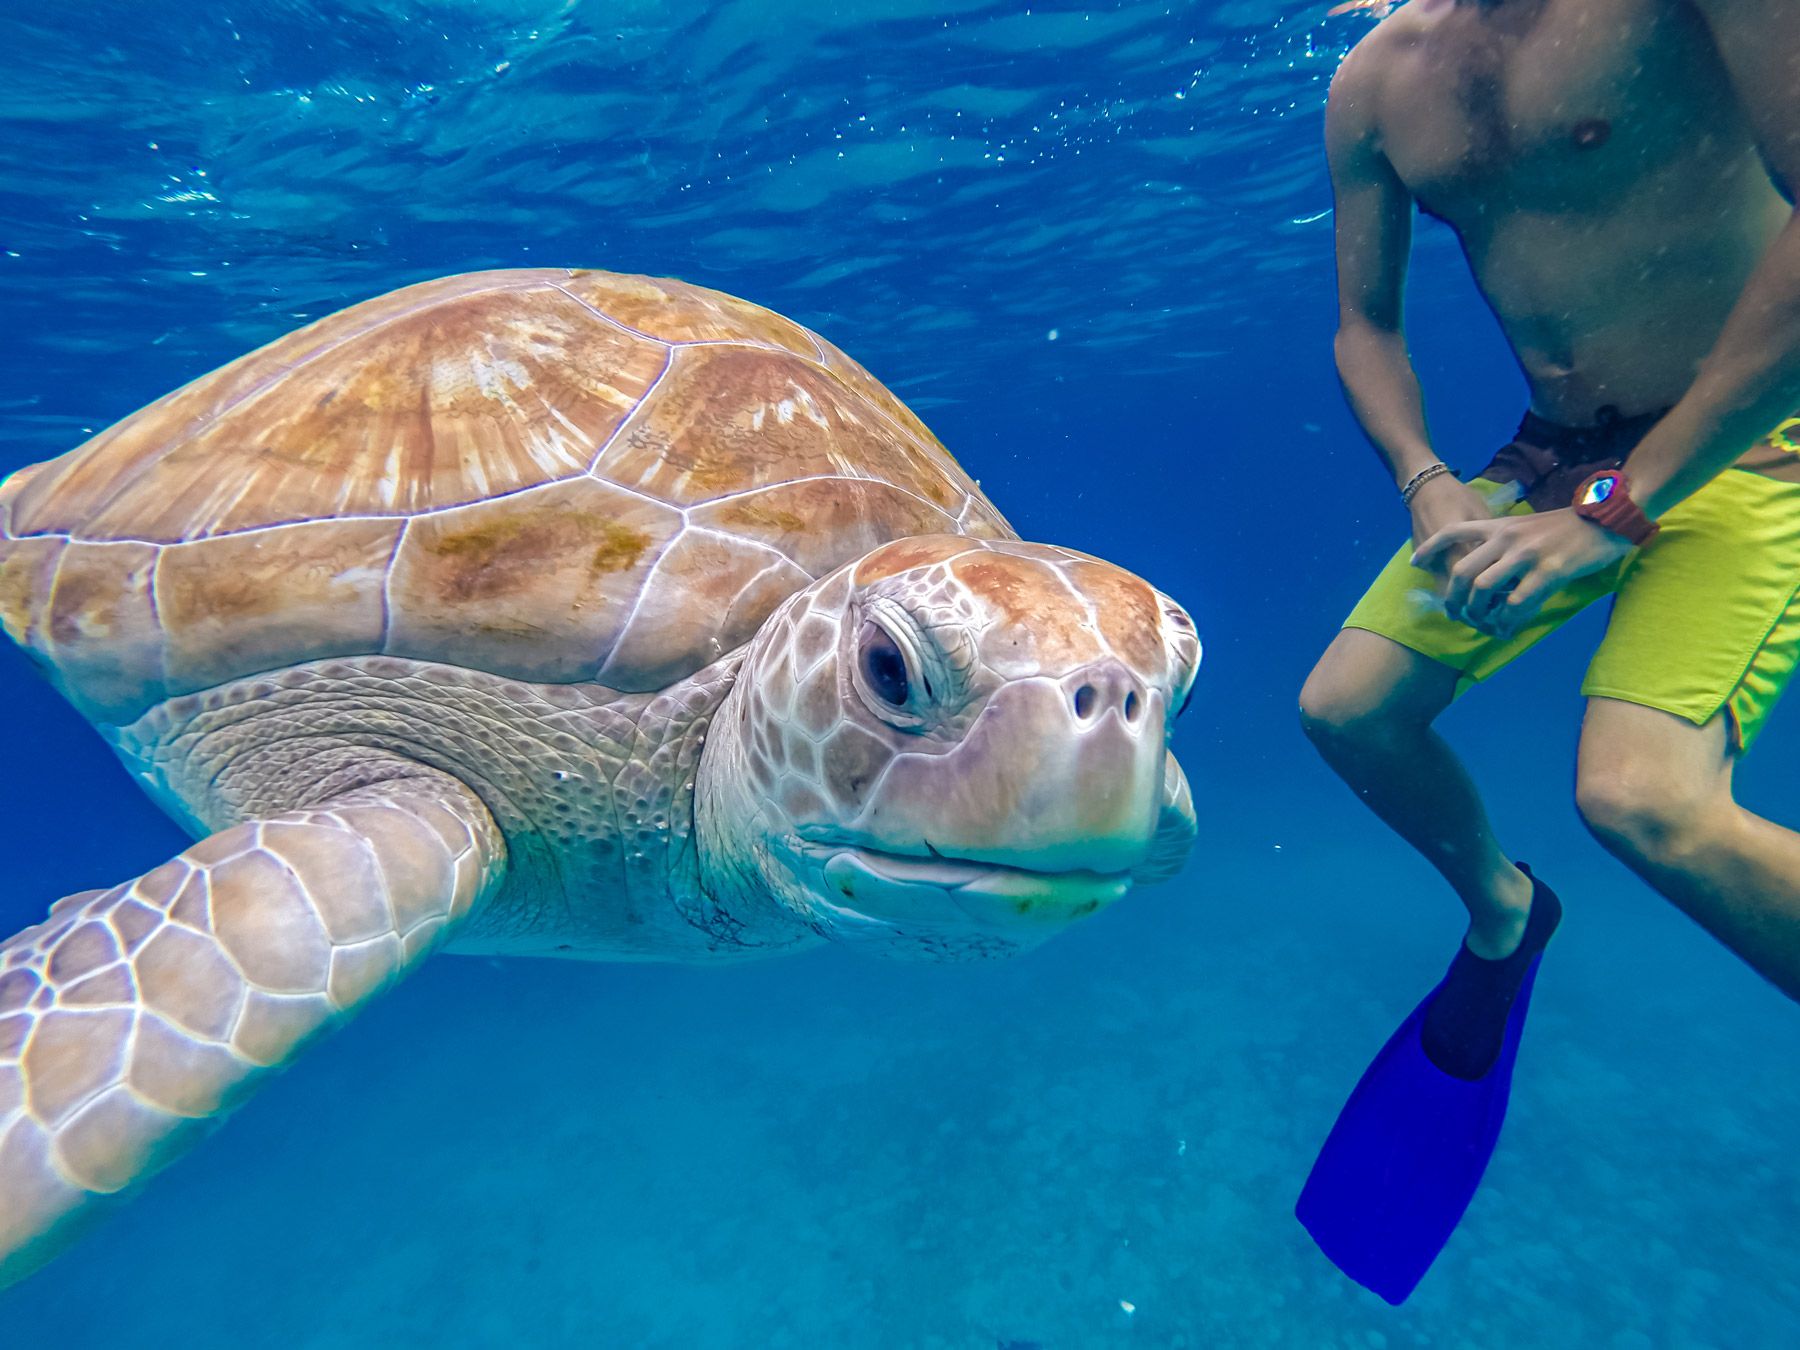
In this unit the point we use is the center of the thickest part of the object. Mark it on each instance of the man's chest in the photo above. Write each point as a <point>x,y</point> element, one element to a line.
<point>1556,105</point>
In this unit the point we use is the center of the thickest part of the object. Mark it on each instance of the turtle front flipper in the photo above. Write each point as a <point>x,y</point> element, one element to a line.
<point>131,1017</point>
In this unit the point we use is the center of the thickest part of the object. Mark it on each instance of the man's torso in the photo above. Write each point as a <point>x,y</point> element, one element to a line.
<point>1603,180</point>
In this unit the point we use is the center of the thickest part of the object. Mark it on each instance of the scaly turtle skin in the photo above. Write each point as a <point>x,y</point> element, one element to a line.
<point>551,613</point>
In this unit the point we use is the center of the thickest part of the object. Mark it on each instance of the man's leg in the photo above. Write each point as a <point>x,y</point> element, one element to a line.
<point>1656,790</point>
<point>1368,706</point>
<point>1411,1144</point>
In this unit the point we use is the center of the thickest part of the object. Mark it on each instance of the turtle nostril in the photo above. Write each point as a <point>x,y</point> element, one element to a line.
<point>1131,706</point>
<point>1084,702</point>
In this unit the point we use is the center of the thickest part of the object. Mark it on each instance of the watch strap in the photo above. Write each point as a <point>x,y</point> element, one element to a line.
<point>1605,498</point>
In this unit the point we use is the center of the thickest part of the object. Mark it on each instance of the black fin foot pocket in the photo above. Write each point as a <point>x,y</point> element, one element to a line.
<point>1465,1025</point>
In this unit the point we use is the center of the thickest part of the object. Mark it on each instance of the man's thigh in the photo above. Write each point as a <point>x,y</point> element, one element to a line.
<point>1707,619</point>
<point>1405,606</point>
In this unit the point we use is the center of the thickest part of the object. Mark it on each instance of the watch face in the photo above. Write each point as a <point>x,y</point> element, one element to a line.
<point>1599,490</point>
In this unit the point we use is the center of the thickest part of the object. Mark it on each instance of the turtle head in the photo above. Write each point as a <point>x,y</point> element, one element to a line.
<point>953,748</point>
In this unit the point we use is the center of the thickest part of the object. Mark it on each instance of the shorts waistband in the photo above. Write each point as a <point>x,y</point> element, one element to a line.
<point>1612,437</point>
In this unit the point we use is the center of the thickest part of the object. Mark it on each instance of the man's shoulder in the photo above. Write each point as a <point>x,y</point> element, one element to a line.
<point>1365,68</point>
<point>1354,97</point>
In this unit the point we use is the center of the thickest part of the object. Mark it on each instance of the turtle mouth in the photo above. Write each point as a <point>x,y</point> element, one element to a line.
<point>895,887</point>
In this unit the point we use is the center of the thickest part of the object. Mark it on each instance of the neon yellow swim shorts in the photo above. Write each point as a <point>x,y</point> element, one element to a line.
<point>1705,618</point>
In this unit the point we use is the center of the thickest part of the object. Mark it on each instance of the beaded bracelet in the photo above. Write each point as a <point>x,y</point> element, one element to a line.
<point>1420,479</point>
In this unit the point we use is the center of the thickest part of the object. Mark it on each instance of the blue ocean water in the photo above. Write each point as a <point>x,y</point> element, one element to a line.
<point>1089,243</point>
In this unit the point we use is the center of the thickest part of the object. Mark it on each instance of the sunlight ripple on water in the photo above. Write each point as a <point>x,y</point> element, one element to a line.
<point>261,177</point>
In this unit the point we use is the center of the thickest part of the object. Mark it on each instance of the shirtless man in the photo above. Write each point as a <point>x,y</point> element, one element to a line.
<point>1614,170</point>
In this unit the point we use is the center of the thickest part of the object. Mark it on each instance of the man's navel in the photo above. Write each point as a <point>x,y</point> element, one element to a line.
<point>1591,134</point>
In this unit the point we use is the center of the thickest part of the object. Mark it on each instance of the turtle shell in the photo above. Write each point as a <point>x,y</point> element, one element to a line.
<point>557,476</point>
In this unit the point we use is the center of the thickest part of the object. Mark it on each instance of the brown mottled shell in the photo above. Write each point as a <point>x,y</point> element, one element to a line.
<point>553,475</point>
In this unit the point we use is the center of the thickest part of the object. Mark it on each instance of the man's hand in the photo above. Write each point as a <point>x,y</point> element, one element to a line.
<point>1514,564</point>
<point>1444,501</point>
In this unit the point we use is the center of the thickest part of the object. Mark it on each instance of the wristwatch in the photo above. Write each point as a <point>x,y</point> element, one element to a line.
<point>1605,499</point>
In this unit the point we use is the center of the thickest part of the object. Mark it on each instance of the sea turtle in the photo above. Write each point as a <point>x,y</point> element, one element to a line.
<point>555,613</point>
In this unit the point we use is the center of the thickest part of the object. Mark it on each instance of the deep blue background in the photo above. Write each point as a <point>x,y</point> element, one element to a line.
<point>830,1151</point>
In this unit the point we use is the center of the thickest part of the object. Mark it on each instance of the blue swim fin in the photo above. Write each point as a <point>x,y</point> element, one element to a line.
<point>1404,1159</point>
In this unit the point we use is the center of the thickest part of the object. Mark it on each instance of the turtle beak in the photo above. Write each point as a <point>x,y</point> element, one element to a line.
<point>1066,775</point>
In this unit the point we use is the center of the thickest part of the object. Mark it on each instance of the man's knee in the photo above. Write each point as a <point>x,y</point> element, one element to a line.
<point>1329,708</point>
<point>1341,708</point>
<point>1640,809</point>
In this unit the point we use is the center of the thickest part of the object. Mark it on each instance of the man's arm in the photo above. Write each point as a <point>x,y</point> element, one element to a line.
<point>1747,382</point>
<point>1374,236</point>
<point>1751,378</point>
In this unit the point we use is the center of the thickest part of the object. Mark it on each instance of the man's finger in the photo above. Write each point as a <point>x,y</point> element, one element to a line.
<point>1468,532</point>
<point>1464,572</point>
<point>1496,586</point>
<point>1521,606</point>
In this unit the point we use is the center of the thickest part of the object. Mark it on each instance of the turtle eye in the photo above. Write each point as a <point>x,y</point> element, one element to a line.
<point>884,666</point>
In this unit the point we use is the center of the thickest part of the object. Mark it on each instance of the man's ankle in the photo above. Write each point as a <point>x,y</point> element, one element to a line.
<point>1497,917</point>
